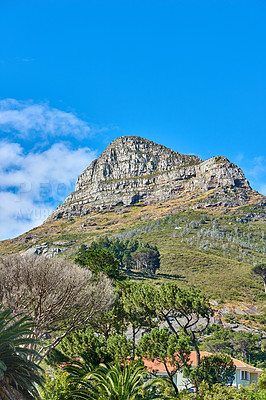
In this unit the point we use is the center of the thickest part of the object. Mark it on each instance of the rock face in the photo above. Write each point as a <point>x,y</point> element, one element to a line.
<point>45,250</point>
<point>133,170</point>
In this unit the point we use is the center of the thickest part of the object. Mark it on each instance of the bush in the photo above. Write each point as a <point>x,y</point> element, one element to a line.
<point>57,388</point>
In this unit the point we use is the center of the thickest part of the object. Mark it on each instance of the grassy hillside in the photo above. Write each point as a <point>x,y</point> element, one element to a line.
<point>214,249</point>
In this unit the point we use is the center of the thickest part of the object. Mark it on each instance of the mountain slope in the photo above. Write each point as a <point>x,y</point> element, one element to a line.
<point>133,170</point>
<point>140,189</point>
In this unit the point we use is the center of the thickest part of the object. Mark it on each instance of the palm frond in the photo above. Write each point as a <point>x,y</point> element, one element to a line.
<point>17,371</point>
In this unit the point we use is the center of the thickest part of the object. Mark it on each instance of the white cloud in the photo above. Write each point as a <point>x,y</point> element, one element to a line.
<point>19,214</point>
<point>25,118</point>
<point>263,189</point>
<point>31,184</point>
<point>258,166</point>
<point>255,171</point>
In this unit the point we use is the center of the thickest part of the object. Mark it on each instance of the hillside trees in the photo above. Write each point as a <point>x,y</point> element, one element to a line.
<point>189,308</point>
<point>129,253</point>
<point>260,269</point>
<point>185,310</point>
<point>58,295</point>
<point>146,259</point>
<point>100,261</point>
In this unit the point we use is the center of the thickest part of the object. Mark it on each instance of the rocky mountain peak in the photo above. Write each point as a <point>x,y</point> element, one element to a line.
<point>132,170</point>
<point>131,157</point>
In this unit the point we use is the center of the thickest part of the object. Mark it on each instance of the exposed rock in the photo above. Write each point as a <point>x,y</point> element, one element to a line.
<point>225,310</point>
<point>133,170</point>
<point>63,243</point>
<point>243,328</point>
<point>44,249</point>
<point>238,311</point>
<point>250,309</point>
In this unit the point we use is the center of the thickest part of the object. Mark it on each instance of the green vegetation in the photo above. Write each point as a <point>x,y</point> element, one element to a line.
<point>98,358</point>
<point>260,269</point>
<point>18,373</point>
<point>56,387</point>
<point>220,392</point>
<point>98,261</point>
<point>111,256</point>
<point>177,258</point>
<point>242,345</point>
<point>209,247</point>
<point>205,250</point>
<point>213,369</point>
<point>115,382</point>
<point>98,349</point>
<point>164,346</point>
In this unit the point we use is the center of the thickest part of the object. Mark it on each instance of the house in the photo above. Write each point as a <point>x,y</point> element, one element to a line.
<point>245,373</point>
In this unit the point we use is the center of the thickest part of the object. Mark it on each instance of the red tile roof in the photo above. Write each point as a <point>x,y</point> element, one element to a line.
<point>157,365</point>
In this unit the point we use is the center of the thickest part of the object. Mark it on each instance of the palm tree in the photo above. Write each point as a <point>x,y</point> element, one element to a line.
<point>18,374</point>
<point>115,383</point>
<point>81,377</point>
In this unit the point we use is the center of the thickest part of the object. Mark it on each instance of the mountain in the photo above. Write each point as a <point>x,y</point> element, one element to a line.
<point>206,220</point>
<point>133,170</point>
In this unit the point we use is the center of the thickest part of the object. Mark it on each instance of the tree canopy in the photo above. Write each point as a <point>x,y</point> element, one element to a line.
<point>130,254</point>
<point>162,345</point>
<point>100,261</point>
<point>215,368</point>
<point>242,345</point>
<point>260,269</point>
<point>57,294</point>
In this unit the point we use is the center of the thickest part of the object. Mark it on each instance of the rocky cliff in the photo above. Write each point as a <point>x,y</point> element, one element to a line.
<point>133,170</point>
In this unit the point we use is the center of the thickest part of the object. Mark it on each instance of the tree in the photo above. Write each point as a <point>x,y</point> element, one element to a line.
<point>96,348</point>
<point>146,259</point>
<point>119,347</point>
<point>243,342</point>
<point>18,374</point>
<point>260,269</point>
<point>112,321</point>
<point>189,308</point>
<point>219,392</point>
<point>262,381</point>
<point>57,294</point>
<point>162,345</point>
<point>138,313</point>
<point>100,261</point>
<point>244,345</point>
<point>84,341</point>
<point>219,342</point>
<point>115,383</point>
<point>216,368</point>
<point>129,253</point>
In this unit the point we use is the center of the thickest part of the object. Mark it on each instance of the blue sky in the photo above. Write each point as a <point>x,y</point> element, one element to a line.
<point>76,74</point>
